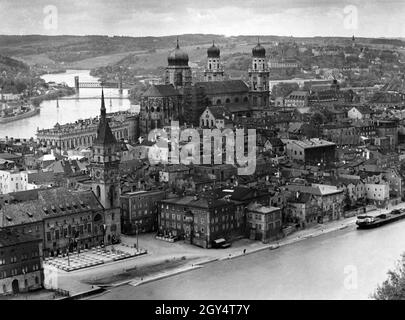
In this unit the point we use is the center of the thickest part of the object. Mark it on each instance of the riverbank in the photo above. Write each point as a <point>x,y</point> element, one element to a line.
<point>198,257</point>
<point>55,94</point>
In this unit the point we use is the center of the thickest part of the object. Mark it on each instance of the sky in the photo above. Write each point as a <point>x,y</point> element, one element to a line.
<point>300,18</point>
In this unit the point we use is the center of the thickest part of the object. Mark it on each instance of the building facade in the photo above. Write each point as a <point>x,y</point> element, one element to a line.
<point>82,133</point>
<point>139,211</point>
<point>21,267</point>
<point>201,221</point>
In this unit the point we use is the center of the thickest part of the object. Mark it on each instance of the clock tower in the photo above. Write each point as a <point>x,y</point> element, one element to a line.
<point>105,162</point>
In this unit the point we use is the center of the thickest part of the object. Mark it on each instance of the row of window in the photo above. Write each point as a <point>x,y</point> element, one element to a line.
<point>16,271</point>
<point>71,231</point>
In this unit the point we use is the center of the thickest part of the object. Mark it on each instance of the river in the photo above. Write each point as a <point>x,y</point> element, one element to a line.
<point>69,110</point>
<point>345,264</point>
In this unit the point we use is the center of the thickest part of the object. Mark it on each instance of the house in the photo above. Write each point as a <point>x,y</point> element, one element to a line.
<point>63,219</point>
<point>329,199</point>
<point>171,172</point>
<point>311,151</point>
<point>139,211</point>
<point>297,99</point>
<point>303,209</point>
<point>201,221</point>
<point>216,117</point>
<point>274,145</point>
<point>360,113</point>
<point>263,222</point>
<point>21,267</point>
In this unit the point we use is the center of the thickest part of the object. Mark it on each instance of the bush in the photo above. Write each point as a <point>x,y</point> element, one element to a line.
<point>394,287</point>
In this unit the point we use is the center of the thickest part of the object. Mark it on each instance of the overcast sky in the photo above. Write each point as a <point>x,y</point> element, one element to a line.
<point>372,18</point>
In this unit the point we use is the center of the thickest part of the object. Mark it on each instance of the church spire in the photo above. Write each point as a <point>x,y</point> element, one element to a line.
<point>102,109</point>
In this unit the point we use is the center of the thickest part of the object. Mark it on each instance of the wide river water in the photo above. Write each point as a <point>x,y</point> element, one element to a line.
<point>345,264</point>
<point>69,110</point>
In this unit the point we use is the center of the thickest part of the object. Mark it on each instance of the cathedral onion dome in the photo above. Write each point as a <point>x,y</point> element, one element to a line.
<point>259,51</point>
<point>178,57</point>
<point>213,51</point>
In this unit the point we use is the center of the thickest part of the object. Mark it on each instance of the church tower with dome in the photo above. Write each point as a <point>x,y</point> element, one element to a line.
<point>259,78</point>
<point>178,72</point>
<point>214,70</point>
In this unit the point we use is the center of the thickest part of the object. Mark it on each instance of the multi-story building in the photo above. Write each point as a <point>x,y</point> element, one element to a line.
<point>311,151</point>
<point>20,262</point>
<point>263,222</point>
<point>360,113</point>
<point>340,133</point>
<point>63,219</point>
<point>13,181</point>
<point>329,199</point>
<point>377,193</point>
<point>139,211</point>
<point>201,221</point>
<point>82,133</point>
<point>297,99</point>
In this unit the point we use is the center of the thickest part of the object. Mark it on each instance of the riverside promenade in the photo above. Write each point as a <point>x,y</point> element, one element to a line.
<point>180,257</point>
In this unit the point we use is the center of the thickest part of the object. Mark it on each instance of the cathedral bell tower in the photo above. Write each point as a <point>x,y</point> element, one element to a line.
<point>178,72</point>
<point>105,162</point>
<point>214,70</point>
<point>259,78</point>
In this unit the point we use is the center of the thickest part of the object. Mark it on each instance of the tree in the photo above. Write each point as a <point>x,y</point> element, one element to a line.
<point>394,287</point>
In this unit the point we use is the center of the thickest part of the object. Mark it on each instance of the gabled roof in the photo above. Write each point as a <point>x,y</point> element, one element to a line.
<point>219,112</point>
<point>364,109</point>
<point>161,90</point>
<point>222,87</point>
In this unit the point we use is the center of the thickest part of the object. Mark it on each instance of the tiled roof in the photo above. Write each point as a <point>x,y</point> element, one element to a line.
<point>223,87</point>
<point>50,202</point>
<point>8,238</point>
<point>196,202</point>
<point>161,90</point>
<point>219,112</point>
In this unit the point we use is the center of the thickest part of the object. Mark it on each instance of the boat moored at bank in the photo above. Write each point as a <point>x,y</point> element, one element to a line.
<point>368,221</point>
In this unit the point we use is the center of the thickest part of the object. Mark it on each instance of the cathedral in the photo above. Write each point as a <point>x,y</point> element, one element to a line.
<point>183,100</point>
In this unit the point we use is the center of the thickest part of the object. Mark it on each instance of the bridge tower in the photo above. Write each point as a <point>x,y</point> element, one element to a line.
<point>120,85</point>
<point>77,83</point>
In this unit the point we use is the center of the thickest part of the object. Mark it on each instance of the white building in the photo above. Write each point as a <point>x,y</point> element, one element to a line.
<point>13,181</point>
<point>377,192</point>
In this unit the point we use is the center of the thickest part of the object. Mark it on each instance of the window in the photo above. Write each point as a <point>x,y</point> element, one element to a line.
<point>48,236</point>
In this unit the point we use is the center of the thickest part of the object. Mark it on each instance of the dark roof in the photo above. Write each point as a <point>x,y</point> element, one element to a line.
<point>191,201</point>
<point>177,57</point>
<point>50,203</point>
<point>274,141</point>
<point>9,156</point>
<point>161,90</point>
<point>303,197</point>
<point>213,51</point>
<point>219,112</point>
<point>41,177</point>
<point>8,238</point>
<point>364,109</point>
<point>104,134</point>
<point>223,87</point>
<point>238,107</point>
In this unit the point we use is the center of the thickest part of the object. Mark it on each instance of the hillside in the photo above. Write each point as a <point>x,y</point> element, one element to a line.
<point>53,52</point>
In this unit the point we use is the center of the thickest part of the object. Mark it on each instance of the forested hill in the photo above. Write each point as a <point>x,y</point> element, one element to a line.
<point>11,66</point>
